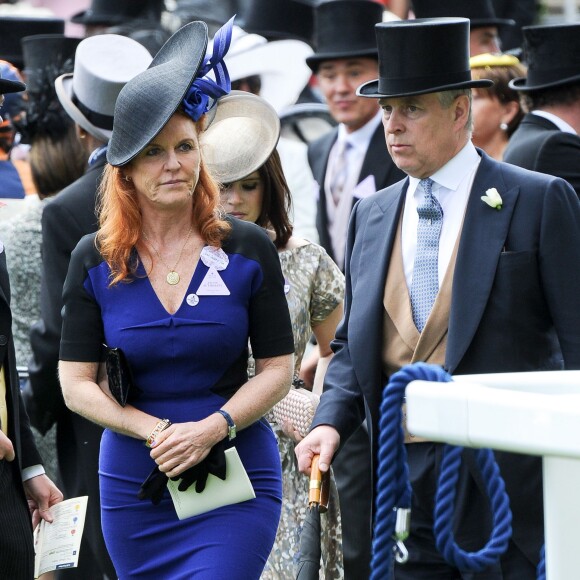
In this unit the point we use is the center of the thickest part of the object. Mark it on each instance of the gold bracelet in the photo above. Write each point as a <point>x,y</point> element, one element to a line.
<point>161,426</point>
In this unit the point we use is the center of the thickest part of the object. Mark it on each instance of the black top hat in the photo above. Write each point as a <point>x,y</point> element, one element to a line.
<point>479,12</point>
<point>345,28</point>
<point>113,12</point>
<point>277,19</point>
<point>47,51</point>
<point>13,28</point>
<point>422,56</point>
<point>553,57</point>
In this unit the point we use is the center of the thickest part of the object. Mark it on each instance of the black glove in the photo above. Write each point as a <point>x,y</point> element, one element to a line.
<point>214,463</point>
<point>154,486</point>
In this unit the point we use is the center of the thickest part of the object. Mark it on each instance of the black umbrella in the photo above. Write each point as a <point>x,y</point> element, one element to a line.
<point>310,552</point>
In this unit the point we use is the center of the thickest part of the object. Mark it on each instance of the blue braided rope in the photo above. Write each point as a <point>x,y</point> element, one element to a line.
<point>444,505</point>
<point>541,570</point>
<point>394,489</point>
<point>393,486</point>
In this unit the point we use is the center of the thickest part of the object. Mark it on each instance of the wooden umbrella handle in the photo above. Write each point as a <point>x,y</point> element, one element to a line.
<point>319,489</point>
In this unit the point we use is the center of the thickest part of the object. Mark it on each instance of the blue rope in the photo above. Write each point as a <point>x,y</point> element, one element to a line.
<point>394,489</point>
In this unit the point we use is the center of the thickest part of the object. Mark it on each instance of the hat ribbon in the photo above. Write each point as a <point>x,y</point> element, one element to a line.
<point>197,101</point>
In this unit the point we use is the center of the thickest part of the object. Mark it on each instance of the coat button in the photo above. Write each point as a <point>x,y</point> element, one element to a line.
<point>3,340</point>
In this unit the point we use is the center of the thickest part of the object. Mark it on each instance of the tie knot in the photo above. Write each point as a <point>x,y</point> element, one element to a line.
<point>427,185</point>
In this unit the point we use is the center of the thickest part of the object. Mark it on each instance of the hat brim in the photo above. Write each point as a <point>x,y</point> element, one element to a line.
<point>370,89</point>
<point>241,136</point>
<point>64,91</point>
<point>485,22</point>
<point>87,17</point>
<point>314,61</point>
<point>8,86</point>
<point>521,83</point>
<point>280,65</point>
<point>150,99</point>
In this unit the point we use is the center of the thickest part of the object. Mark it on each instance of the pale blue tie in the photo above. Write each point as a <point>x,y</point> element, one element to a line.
<point>425,283</point>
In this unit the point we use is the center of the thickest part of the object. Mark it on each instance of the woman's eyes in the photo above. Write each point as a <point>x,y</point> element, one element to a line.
<point>249,185</point>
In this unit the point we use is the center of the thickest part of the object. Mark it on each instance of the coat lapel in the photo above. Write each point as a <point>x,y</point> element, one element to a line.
<point>482,241</point>
<point>370,274</point>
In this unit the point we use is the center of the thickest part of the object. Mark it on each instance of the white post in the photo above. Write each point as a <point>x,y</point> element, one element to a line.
<point>562,517</point>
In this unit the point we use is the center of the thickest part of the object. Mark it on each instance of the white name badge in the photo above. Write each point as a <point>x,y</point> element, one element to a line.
<point>214,257</point>
<point>212,285</point>
<point>192,299</point>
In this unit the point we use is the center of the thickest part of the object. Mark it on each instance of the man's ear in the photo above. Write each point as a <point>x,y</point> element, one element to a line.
<point>461,107</point>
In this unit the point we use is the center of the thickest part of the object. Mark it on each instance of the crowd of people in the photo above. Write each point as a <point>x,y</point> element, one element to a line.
<point>238,200</point>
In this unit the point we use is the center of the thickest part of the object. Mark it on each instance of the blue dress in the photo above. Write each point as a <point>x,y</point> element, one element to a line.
<point>185,367</point>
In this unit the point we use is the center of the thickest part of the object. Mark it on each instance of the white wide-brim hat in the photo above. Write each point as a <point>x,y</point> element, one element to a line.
<point>281,65</point>
<point>103,65</point>
<point>240,137</point>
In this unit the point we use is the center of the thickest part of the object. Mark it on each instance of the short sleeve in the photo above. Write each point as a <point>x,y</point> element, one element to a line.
<point>270,329</point>
<point>82,326</point>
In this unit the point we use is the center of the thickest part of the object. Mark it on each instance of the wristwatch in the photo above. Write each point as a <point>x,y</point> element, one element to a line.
<point>230,422</point>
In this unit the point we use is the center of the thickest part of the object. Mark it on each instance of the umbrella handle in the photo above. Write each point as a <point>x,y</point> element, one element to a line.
<point>319,489</point>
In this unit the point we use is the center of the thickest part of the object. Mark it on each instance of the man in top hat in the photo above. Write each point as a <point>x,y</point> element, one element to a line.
<point>103,65</point>
<point>436,274</point>
<point>23,479</point>
<point>547,139</point>
<point>348,163</point>
<point>484,24</point>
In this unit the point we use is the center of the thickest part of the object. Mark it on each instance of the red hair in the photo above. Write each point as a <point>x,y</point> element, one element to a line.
<point>120,220</point>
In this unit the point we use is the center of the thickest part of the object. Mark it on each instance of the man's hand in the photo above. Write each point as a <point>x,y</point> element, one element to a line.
<point>6,448</point>
<point>41,494</point>
<point>323,441</point>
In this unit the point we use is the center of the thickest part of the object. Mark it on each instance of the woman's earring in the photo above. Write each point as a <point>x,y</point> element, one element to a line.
<point>127,178</point>
<point>503,126</point>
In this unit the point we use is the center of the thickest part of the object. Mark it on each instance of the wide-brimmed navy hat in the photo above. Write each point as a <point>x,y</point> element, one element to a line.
<point>552,54</point>
<point>422,56</point>
<point>149,100</point>
<point>480,12</point>
<point>344,29</point>
<point>8,86</point>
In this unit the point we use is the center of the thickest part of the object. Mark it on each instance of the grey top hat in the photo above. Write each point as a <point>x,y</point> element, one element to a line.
<point>343,29</point>
<point>103,65</point>
<point>148,101</point>
<point>553,57</point>
<point>422,56</point>
<point>480,12</point>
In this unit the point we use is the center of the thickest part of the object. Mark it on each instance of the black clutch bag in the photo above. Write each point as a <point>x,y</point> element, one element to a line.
<point>119,374</point>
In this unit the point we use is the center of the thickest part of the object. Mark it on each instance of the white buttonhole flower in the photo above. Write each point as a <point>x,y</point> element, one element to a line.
<point>492,198</point>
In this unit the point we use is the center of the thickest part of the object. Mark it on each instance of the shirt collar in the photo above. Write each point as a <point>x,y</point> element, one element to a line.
<point>361,138</point>
<point>455,170</point>
<point>560,123</point>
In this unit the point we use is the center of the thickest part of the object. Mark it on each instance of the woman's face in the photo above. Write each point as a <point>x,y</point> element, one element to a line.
<point>243,198</point>
<point>166,172</point>
<point>488,114</point>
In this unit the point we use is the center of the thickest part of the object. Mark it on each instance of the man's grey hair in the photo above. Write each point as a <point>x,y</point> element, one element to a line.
<point>446,99</point>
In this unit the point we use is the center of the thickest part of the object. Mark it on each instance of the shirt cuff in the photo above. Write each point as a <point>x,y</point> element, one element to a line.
<point>32,471</point>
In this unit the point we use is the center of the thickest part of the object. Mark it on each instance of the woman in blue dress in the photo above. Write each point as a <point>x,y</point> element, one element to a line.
<point>180,289</point>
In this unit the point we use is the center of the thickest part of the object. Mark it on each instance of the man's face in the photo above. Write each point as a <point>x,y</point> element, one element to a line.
<point>338,80</point>
<point>484,39</point>
<point>421,134</point>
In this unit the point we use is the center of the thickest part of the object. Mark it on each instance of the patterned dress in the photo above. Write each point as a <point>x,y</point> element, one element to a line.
<point>22,237</point>
<point>314,287</point>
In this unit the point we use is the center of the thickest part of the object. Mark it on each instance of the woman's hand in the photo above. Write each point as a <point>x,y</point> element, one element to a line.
<point>183,445</point>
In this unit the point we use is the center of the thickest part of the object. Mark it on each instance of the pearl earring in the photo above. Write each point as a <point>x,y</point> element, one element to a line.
<point>503,126</point>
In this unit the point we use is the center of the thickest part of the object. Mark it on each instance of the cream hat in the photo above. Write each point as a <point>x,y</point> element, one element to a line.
<point>240,137</point>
